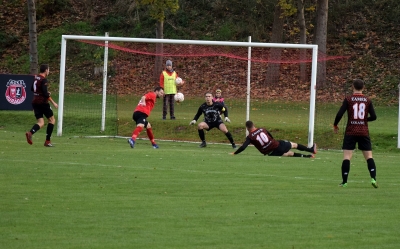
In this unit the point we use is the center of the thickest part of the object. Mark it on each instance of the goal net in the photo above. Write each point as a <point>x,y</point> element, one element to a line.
<point>272,84</point>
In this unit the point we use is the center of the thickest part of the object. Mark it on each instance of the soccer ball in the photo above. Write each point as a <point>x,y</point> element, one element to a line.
<point>179,97</point>
<point>178,81</point>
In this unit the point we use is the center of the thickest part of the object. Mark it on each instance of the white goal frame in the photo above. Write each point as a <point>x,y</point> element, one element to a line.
<point>249,45</point>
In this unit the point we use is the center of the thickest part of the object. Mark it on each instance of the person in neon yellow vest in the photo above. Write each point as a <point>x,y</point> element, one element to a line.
<point>167,81</point>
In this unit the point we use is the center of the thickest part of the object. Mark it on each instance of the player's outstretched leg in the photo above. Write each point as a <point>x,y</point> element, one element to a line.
<point>302,155</point>
<point>304,148</point>
<point>314,148</point>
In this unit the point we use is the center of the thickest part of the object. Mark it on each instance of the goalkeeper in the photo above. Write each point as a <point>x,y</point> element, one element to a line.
<point>212,119</point>
<point>267,145</point>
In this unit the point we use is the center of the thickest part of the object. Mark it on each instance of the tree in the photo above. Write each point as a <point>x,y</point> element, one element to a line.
<point>33,54</point>
<point>157,11</point>
<point>275,54</point>
<point>320,37</point>
<point>303,37</point>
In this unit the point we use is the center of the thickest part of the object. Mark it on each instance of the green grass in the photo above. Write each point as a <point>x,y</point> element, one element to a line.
<point>290,121</point>
<point>100,193</point>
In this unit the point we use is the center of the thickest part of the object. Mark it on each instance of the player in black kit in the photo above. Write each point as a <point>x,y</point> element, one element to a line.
<point>212,119</point>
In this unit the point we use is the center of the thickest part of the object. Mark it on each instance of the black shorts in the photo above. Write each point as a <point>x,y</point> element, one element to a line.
<point>214,124</point>
<point>284,146</point>
<point>41,110</point>
<point>364,143</point>
<point>140,118</point>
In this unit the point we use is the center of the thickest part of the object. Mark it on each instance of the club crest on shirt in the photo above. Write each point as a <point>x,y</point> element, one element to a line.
<point>16,91</point>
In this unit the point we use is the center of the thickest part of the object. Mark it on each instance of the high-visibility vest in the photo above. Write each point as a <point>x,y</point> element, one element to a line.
<point>169,83</point>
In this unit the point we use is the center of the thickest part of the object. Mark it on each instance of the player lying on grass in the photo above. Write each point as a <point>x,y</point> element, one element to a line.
<point>267,145</point>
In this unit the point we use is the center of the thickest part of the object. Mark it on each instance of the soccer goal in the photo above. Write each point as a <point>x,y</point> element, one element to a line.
<point>272,84</point>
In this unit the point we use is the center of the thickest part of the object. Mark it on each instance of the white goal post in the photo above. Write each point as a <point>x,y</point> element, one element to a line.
<point>248,44</point>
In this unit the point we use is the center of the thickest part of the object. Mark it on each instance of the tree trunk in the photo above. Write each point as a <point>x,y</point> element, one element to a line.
<point>33,55</point>
<point>320,37</point>
<point>275,53</point>
<point>159,52</point>
<point>303,39</point>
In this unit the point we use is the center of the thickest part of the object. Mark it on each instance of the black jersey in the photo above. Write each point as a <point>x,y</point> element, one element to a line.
<point>211,112</point>
<point>39,89</point>
<point>359,111</point>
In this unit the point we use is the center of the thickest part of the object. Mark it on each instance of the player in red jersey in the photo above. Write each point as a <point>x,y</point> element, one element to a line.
<point>142,112</point>
<point>267,145</point>
<point>358,106</point>
<point>41,106</point>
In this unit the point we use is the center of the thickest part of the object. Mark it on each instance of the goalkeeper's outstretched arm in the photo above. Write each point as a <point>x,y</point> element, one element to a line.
<point>198,114</point>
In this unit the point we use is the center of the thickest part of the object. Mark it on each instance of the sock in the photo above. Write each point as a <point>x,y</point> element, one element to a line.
<point>300,155</point>
<point>150,135</point>
<point>345,170</point>
<point>136,132</point>
<point>229,136</point>
<point>201,135</point>
<point>49,131</point>
<point>35,128</point>
<point>304,148</point>
<point>371,168</point>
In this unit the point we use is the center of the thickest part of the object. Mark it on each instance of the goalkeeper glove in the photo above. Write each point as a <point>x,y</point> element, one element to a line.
<point>227,120</point>
<point>192,122</point>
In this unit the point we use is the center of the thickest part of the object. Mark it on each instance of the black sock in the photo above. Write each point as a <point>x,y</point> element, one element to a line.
<point>371,168</point>
<point>345,170</point>
<point>49,131</point>
<point>300,155</point>
<point>35,128</point>
<point>202,136</point>
<point>304,148</point>
<point>229,136</point>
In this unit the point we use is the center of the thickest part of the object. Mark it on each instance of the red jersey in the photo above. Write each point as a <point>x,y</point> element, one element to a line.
<point>359,111</point>
<point>150,99</point>
<point>39,89</point>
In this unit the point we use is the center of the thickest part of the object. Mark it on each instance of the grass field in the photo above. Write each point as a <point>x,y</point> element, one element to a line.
<point>100,193</point>
<point>286,120</point>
